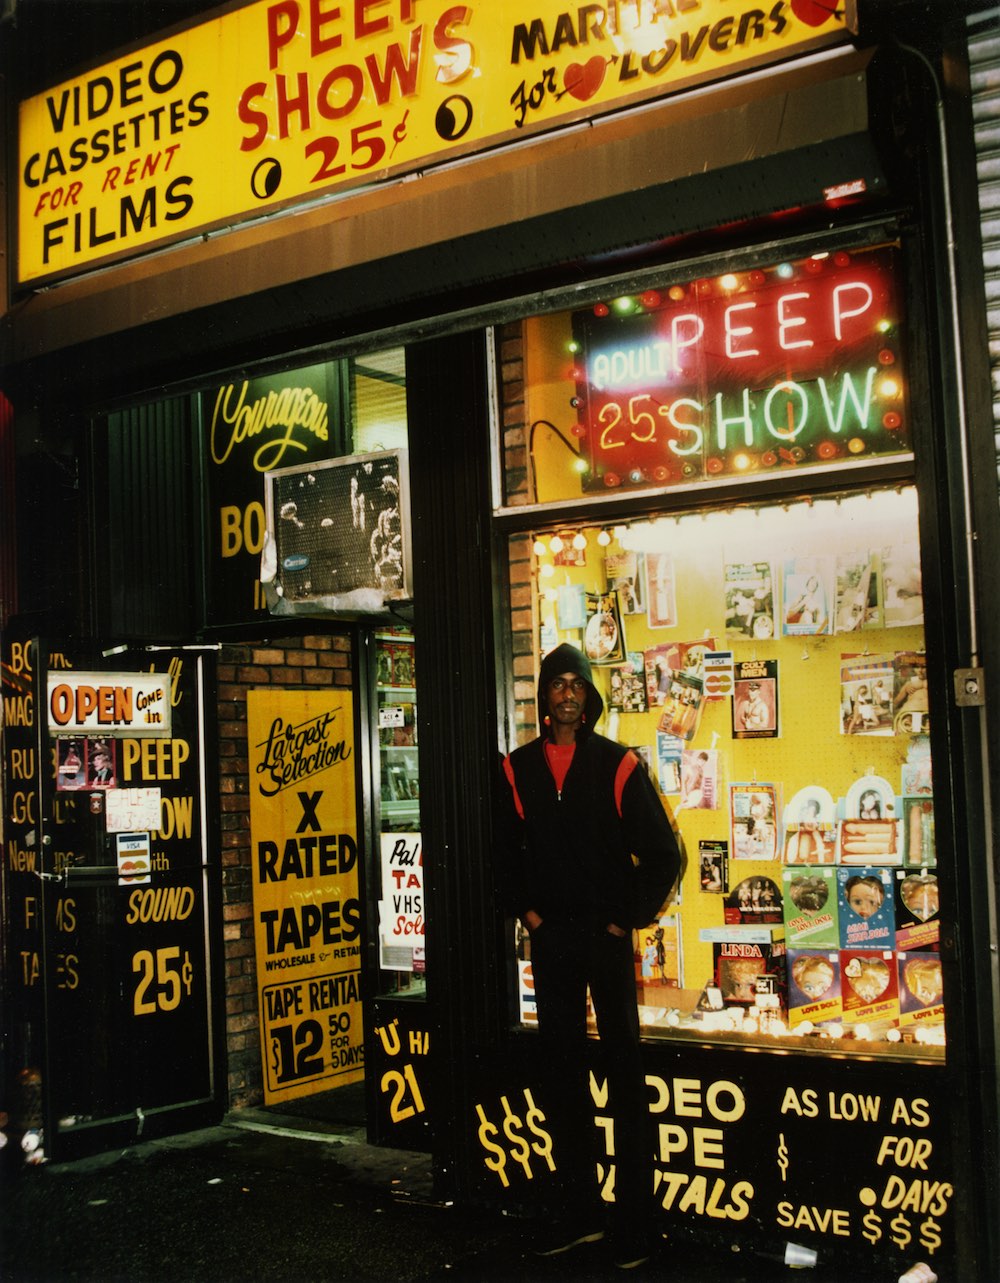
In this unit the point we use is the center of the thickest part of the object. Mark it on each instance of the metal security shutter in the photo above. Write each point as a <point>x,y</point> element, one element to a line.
<point>984,65</point>
<point>146,528</point>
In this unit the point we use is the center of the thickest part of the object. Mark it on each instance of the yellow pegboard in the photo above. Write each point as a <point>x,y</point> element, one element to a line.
<point>810,749</point>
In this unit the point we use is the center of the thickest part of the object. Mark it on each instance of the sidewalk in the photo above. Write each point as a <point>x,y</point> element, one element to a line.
<point>252,1198</point>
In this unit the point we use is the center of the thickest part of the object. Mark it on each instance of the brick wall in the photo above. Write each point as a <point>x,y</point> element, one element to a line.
<point>299,663</point>
<point>516,463</point>
<point>517,489</point>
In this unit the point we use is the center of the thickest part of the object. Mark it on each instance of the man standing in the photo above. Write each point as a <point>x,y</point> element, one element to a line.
<point>589,854</point>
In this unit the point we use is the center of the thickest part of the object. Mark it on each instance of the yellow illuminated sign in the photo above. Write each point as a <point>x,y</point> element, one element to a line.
<point>306,900</point>
<point>283,101</point>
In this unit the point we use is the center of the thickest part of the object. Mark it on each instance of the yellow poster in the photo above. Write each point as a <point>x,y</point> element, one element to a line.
<point>284,101</point>
<point>306,903</point>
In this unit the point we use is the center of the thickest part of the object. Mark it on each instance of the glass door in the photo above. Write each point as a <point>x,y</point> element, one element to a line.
<point>114,898</point>
<point>398,1067</point>
<point>397,820</point>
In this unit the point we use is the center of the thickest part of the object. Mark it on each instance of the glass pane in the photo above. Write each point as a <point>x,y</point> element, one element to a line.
<point>789,365</point>
<point>378,401</point>
<point>766,664</point>
<point>400,874</point>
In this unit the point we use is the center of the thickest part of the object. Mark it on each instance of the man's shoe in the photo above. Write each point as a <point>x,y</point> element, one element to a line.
<point>560,1238</point>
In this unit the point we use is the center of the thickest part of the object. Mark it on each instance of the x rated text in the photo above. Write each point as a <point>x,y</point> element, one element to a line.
<point>306,857</point>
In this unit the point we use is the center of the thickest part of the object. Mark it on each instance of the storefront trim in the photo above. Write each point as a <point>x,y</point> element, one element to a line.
<point>732,491</point>
<point>817,108</point>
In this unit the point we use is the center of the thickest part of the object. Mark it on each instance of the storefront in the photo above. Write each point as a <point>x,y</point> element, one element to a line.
<point>694,376</point>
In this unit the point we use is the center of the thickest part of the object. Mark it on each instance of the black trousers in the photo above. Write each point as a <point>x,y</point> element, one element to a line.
<point>566,959</point>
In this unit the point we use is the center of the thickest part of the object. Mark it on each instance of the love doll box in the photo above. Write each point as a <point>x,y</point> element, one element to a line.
<point>869,986</point>
<point>866,901</point>
<point>814,986</point>
<point>921,990</point>
<point>811,908</point>
<point>918,909</point>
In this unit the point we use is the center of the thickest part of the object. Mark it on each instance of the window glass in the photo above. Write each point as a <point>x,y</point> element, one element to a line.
<point>378,401</point>
<point>767,665</point>
<point>377,388</point>
<point>401,865</point>
<point>791,365</point>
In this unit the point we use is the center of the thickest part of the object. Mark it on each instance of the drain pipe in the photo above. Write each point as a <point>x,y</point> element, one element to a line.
<point>956,345</point>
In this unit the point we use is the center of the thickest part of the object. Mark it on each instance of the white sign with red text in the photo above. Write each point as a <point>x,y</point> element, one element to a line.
<point>401,908</point>
<point>109,704</point>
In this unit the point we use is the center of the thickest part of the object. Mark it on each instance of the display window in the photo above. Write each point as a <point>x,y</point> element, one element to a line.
<point>710,380</point>
<point>758,643</point>
<point>766,664</point>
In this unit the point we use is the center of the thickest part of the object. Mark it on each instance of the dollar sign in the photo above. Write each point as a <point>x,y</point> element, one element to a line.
<point>873,1227</point>
<point>930,1236</point>
<point>276,1057</point>
<point>783,1156</point>
<point>542,1148</point>
<point>499,1163</point>
<point>901,1235</point>
<point>520,1151</point>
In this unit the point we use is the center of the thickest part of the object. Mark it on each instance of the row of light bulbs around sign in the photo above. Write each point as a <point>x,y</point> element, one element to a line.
<point>557,543</point>
<point>735,1020</point>
<point>578,541</point>
<point>727,283</point>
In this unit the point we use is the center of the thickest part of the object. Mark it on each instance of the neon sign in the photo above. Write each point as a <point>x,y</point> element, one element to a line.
<point>778,367</point>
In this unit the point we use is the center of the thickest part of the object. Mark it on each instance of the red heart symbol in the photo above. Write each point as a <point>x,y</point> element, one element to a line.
<point>814,12</point>
<point>584,81</point>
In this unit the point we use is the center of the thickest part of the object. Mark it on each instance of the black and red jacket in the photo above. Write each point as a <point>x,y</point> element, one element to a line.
<point>600,850</point>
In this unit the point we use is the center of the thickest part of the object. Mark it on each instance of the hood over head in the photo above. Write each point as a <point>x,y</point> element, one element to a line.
<point>570,659</point>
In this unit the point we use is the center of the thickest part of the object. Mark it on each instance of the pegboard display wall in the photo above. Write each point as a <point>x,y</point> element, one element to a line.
<point>684,587</point>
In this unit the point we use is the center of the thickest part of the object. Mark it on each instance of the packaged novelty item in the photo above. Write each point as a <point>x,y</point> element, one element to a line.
<point>814,986</point>
<point>811,908</point>
<point>866,903</point>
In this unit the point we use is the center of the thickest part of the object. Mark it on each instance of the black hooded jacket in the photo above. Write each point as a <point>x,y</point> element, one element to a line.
<point>569,855</point>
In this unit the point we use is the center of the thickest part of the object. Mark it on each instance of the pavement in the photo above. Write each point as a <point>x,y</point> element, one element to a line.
<point>275,1198</point>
